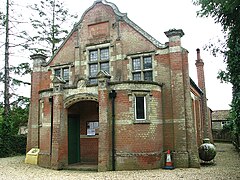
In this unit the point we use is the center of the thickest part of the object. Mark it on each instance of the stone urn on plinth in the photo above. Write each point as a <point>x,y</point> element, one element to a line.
<point>207,151</point>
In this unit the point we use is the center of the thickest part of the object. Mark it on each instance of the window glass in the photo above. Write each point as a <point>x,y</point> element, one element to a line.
<point>140,107</point>
<point>104,54</point>
<point>147,62</point>
<point>93,81</point>
<point>137,76</point>
<point>93,55</point>
<point>66,74</point>
<point>104,67</point>
<point>57,72</point>
<point>93,70</point>
<point>136,64</point>
<point>148,76</point>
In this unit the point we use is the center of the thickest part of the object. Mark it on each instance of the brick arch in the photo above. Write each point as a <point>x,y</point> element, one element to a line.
<point>79,97</point>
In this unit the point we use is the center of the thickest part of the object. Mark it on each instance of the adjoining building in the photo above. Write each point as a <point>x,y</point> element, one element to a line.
<point>114,96</point>
<point>220,118</point>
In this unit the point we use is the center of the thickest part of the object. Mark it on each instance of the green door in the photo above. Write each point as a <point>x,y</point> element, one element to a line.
<point>73,140</point>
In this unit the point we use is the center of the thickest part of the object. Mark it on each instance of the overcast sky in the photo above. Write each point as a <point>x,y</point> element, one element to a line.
<point>158,16</point>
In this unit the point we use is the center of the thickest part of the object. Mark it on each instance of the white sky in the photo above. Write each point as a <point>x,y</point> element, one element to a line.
<point>158,16</point>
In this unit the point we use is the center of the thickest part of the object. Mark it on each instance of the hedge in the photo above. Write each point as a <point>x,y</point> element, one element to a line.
<point>12,145</point>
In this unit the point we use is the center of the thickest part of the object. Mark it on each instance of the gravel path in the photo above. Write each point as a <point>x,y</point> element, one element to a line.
<point>227,167</point>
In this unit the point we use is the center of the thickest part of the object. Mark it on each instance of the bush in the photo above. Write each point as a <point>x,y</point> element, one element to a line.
<point>12,145</point>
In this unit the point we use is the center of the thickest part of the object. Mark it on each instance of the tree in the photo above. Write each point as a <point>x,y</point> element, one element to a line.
<point>9,24</point>
<point>227,13</point>
<point>51,17</point>
<point>48,30</point>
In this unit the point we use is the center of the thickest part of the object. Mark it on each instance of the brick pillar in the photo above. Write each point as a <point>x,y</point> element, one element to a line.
<point>59,126</point>
<point>184,135</point>
<point>33,121</point>
<point>201,83</point>
<point>104,140</point>
<point>191,130</point>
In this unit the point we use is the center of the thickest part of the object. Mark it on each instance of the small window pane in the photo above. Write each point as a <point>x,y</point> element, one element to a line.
<point>93,55</point>
<point>93,70</point>
<point>137,76</point>
<point>57,72</point>
<point>104,67</point>
<point>93,81</point>
<point>136,64</point>
<point>147,62</point>
<point>66,74</point>
<point>148,76</point>
<point>104,54</point>
<point>140,107</point>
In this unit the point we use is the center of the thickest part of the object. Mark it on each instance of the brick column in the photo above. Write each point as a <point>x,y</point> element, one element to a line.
<point>59,126</point>
<point>182,119</point>
<point>191,131</point>
<point>33,121</point>
<point>104,141</point>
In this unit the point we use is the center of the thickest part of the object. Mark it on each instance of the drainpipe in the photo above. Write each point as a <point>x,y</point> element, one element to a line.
<point>113,95</point>
<point>51,130</point>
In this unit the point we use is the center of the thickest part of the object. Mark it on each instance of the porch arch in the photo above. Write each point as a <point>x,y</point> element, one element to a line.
<point>79,97</point>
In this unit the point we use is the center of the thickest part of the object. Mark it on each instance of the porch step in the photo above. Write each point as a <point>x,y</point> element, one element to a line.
<point>82,167</point>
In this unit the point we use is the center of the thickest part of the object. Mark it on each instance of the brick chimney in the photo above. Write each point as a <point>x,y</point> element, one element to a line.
<point>201,84</point>
<point>200,71</point>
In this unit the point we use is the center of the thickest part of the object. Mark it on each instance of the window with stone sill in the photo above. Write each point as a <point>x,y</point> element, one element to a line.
<point>98,60</point>
<point>142,68</point>
<point>141,107</point>
<point>62,73</point>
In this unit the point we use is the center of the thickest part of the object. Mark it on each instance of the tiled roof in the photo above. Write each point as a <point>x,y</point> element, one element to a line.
<point>220,115</point>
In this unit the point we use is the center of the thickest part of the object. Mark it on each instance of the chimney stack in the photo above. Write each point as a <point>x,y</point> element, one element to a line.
<point>201,84</point>
<point>200,71</point>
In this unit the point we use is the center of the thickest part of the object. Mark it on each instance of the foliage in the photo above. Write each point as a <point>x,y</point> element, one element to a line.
<point>12,145</point>
<point>10,142</point>
<point>48,23</point>
<point>47,30</point>
<point>227,13</point>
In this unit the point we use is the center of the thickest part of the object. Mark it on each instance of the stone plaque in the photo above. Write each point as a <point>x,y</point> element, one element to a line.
<point>98,30</point>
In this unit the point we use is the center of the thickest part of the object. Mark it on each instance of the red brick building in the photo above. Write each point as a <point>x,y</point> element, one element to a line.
<point>114,96</point>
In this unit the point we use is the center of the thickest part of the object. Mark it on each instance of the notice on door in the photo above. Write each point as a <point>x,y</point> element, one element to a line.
<point>92,128</point>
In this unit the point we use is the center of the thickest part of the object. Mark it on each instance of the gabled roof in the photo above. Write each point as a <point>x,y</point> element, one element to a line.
<point>121,16</point>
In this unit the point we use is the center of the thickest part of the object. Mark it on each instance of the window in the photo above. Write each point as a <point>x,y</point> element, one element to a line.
<point>137,76</point>
<point>142,68</point>
<point>62,73</point>
<point>140,108</point>
<point>93,55</point>
<point>136,64</point>
<point>98,60</point>
<point>104,54</point>
<point>93,70</point>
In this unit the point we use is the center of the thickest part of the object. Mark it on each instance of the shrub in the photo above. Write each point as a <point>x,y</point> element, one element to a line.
<point>12,145</point>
